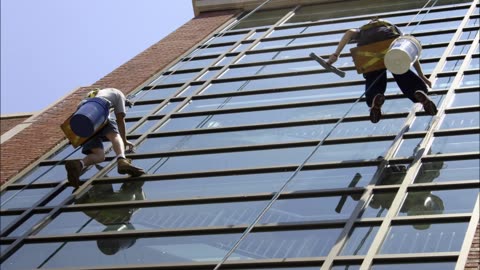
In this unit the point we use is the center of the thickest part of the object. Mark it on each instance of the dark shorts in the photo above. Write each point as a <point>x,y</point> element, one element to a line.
<point>97,140</point>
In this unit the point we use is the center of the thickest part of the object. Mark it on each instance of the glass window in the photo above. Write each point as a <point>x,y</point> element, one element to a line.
<point>272,69</point>
<point>435,38</point>
<point>435,202</point>
<point>235,138</point>
<point>210,50</point>
<point>280,82</point>
<point>190,90</point>
<point>424,238</point>
<point>257,34</point>
<point>145,126</point>
<point>261,18</point>
<point>465,99</point>
<point>298,41</point>
<point>417,265</point>
<point>359,240</point>
<point>310,209</point>
<point>5,221</point>
<point>425,26</point>
<point>421,123</point>
<point>26,225</point>
<point>242,47</point>
<point>287,244</point>
<point>468,35</point>
<point>351,151</point>
<point>445,171</point>
<point>470,80</point>
<point>152,218</point>
<point>23,198</point>
<point>227,60</point>
<point>460,49</point>
<point>452,65</point>
<point>209,74</point>
<point>378,205</point>
<point>64,152</point>
<point>222,161</point>
<point>154,94</point>
<point>264,116</point>
<point>461,120</point>
<point>140,110</point>
<point>474,63</point>
<point>193,63</point>
<point>175,77</point>
<point>443,82</point>
<point>169,107</point>
<point>59,198</point>
<point>123,251</point>
<point>431,52</point>
<point>228,37</point>
<point>408,147</point>
<point>273,98</point>
<point>47,174</point>
<point>295,53</point>
<point>456,144</point>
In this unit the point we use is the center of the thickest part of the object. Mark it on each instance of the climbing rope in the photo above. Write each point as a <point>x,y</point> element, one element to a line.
<point>300,167</point>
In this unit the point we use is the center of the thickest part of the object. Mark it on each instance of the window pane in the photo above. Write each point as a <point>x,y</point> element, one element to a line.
<point>461,120</point>
<point>27,225</point>
<point>64,152</point>
<point>432,39</point>
<point>359,240</point>
<point>175,77</point>
<point>474,63</point>
<point>193,64</point>
<point>152,218</point>
<point>261,18</point>
<point>141,110</point>
<point>439,202</point>
<point>379,204</point>
<point>452,65</point>
<point>288,244</point>
<point>190,90</point>
<point>470,80</point>
<point>424,238</point>
<point>145,126</point>
<point>466,99</point>
<point>153,94</point>
<point>6,220</point>
<point>48,174</point>
<point>456,144</point>
<point>460,49</point>
<point>221,38</point>
<point>23,198</point>
<point>351,151</point>
<point>393,175</point>
<point>60,197</point>
<point>310,209</point>
<point>443,171</point>
<point>123,251</point>
<point>210,50</point>
<point>169,107</point>
<point>421,123</point>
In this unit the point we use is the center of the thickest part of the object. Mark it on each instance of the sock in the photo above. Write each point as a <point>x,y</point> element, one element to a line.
<point>83,164</point>
<point>121,156</point>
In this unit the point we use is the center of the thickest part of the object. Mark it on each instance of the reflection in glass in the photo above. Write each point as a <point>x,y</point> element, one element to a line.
<point>461,120</point>
<point>421,123</point>
<point>309,209</point>
<point>470,80</point>
<point>287,244</point>
<point>424,238</point>
<point>27,225</point>
<point>351,151</point>
<point>155,250</point>
<point>408,147</point>
<point>456,144</point>
<point>443,171</point>
<point>393,174</point>
<point>439,202</point>
<point>378,205</point>
<point>466,99</point>
<point>359,240</point>
<point>154,218</point>
<point>22,198</point>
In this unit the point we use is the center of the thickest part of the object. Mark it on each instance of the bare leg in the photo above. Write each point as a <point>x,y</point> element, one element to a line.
<point>117,144</point>
<point>97,155</point>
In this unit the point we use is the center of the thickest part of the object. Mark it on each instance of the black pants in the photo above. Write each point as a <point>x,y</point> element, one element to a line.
<point>376,83</point>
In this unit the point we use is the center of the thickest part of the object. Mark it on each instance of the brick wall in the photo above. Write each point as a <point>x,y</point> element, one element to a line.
<point>34,141</point>
<point>8,122</point>
<point>473,261</point>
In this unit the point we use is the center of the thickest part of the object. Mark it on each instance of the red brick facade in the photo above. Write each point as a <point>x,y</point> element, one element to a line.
<point>7,123</point>
<point>473,262</point>
<point>34,141</point>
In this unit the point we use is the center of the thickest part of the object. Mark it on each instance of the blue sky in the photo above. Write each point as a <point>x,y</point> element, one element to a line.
<point>51,47</point>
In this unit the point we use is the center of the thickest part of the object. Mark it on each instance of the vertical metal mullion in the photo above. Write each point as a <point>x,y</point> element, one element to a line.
<point>416,164</point>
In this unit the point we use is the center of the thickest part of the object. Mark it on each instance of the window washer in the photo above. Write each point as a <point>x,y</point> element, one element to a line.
<point>414,86</point>
<point>114,131</point>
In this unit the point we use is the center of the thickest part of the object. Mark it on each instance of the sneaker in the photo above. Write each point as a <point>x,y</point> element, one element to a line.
<point>428,105</point>
<point>74,170</point>
<point>376,110</point>
<point>124,166</point>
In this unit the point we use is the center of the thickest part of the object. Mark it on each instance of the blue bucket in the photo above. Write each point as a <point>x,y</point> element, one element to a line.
<point>89,117</point>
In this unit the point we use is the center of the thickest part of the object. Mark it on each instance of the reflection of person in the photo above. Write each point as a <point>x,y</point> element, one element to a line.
<point>114,131</point>
<point>114,219</point>
<point>412,85</point>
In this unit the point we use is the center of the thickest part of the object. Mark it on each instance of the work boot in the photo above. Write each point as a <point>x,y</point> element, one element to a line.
<point>74,170</point>
<point>428,105</point>
<point>376,109</point>
<point>124,166</point>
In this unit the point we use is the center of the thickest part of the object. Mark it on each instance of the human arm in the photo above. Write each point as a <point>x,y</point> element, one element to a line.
<point>418,69</point>
<point>347,37</point>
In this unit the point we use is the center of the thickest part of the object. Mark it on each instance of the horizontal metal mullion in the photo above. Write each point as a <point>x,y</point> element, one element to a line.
<point>444,218</point>
<point>464,184</point>
<point>473,108</point>
<point>457,131</point>
<point>416,257</point>
<point>451,157</point>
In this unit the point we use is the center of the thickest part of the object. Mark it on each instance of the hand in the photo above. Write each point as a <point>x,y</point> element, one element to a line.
<point>129,147</point>
<point>427,81</point>
<point>332,59</point>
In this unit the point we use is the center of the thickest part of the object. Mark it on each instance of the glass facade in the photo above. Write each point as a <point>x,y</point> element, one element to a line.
<point>258,158</point>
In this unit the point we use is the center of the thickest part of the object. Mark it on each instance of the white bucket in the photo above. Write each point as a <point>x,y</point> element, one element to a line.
<point>403,52</point>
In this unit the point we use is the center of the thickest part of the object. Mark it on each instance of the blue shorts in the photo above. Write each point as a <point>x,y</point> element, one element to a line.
<point>97,140</point>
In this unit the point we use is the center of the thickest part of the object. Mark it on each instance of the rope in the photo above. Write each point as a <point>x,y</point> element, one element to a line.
<point>300,167</point>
